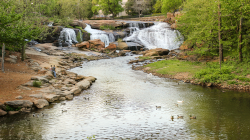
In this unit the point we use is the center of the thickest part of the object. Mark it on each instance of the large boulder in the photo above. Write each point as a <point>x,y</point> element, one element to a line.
<point>90,79</point>
<point>84,44</point>
<point>76,90</point>
<point>41,103</point>
<point>11,60</point>
<point>96,43</point>
<point>2,113</point>
<point>51,97</point>
<point>19,103</point>
<point>111,47</point>
<point>78,23</point>
<point>96,24</point>
<point>156,52</point>
<point>85,84</point>
<point>122,46</point>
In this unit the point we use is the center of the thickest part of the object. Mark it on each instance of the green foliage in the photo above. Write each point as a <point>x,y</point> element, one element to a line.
<point>91,137</point>
<point>9,108</point>
<point>107,27</point>
<point>78,37</point>
<point>107,6</point>
<point>144,57</point>
<point>168,5</point>
<point>37,84</point>
<point>157,6</point>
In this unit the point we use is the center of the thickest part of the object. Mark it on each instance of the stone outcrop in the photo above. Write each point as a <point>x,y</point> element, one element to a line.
<point>156,52</point>
<point>111,47</point>
<point>122,46</point>
<point>78,23</point>
<point>83,85</point>
<point>96,44</point>
<point>2,113</point>
<point>96,24</point>
<point>41,103</point>
<point>13,112</point>
<point>51,97</point>
<point>84,44</point>
<point>19,103</point>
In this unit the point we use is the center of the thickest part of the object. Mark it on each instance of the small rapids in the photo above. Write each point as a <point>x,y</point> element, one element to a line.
<point>157,36</point>
<point>68,36</point>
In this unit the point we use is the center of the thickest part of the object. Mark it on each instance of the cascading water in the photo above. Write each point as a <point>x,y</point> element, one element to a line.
<point>157,36</point>
<point>80,35</point>
<point>133,29</point>
<point>97,34</point>
<point>111,37</point>
<point>50,24</point>
<point>68,36</point>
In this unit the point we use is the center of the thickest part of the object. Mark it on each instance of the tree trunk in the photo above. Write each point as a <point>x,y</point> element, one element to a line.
<point>3,50</point>
<point>240,40</point>
<point>219,35</point>
<point>23,52</point>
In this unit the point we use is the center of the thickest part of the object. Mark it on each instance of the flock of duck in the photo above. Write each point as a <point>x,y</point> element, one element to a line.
<point>178,116</point>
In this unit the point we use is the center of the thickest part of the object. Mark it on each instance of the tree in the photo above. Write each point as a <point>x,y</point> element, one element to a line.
<point>157,6</point>
<point>108,6</point>
<point>170,5</point>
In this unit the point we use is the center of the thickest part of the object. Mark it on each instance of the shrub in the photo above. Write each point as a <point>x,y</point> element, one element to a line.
<point>37,84</point>
<point>9,108</point>
<point>107,27</point>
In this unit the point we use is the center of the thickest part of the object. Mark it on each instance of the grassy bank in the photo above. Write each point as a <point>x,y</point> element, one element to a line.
<point>231,73</point>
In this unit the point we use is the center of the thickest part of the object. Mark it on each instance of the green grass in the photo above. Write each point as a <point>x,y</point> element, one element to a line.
<point>144,57</point>
<point>107,27</point>
<point>172,67</point>
<point>9,108</point>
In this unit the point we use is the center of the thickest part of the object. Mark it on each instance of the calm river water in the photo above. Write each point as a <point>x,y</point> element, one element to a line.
<point>122,105</point>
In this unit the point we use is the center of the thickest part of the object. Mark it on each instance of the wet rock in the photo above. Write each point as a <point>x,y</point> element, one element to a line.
<point>19,103</point>
<point>80,77</point>
<point>84,44</point>
<point>13,112</point>
<point>90,79</point>
<point>69,97</point>
<point>19,97</point>
<point>76,90</point>
<point>62,99</point>
<point>122,46</point>
<point>41,103</point>
<point>209,84</point>
<point>25,110</point>
<point>2,113</point>
<point>85,84</point>
<point>156,52</point>
<point>51,97</point>
<point>96,44</point>
<point>111,47</point>
<point>121,53</point>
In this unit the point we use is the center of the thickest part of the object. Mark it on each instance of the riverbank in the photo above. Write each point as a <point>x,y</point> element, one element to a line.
<point>204,71</point>
<point>28,85</point>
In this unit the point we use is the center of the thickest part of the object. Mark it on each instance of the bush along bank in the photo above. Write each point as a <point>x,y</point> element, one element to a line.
<point>203,71</point>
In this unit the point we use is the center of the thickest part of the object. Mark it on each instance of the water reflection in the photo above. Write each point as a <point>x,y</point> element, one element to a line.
<point>120,104</point>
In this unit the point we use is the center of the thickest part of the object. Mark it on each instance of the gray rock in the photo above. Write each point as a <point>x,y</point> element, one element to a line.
<point>13,57</point>
<point>69,97</point>
<point>39,78</point>
<point>41,103</point>
<point>28,84</point>
<point>85,84</point>
<point>2,113</point>
<point>24,88</point>
<point>13,112</point>
<point>62,99</point>
<point>11,60</point>
<point>25,110</point>
<point>76,90</point>
<point>19,97</point>
<point>37,95</point>
<point>19,103</point>
<point>51,97</point>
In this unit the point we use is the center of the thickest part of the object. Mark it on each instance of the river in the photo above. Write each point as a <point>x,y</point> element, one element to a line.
<point>121,104</point>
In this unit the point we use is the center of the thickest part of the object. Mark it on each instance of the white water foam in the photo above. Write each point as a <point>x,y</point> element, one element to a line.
<point>68,35</point>
<point>158,36</point>
<point>97,34</point>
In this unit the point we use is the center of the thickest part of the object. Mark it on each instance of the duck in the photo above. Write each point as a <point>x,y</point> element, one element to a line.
<point>180,101</point>
<point>192,117</point>
<point>158,106</point>
<point>63,103</point>
<point>180,117</point>
<point>176,105</point>
<point>64,110</point>
<point>172,117</point>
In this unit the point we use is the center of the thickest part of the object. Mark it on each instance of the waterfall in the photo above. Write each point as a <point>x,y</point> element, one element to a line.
<point>50,24</point>
<point>133,29</point>
<point>97,34</point>
<point>111,37</point>
<point>158,36</point>
<point>68,35</point>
